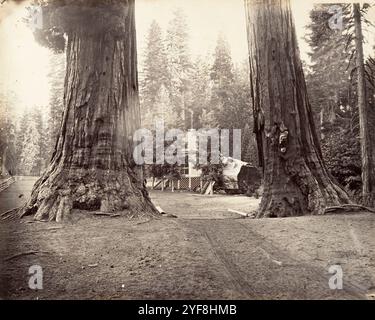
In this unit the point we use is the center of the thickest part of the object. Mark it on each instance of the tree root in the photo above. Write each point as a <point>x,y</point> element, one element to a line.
<point>24,254</point>
<point>106,214</point>
<point>11,214</point>
<point>347,208</point>
<point>112,193</point>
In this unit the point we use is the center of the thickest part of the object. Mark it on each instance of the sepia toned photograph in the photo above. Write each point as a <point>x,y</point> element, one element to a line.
<point>212,150</point>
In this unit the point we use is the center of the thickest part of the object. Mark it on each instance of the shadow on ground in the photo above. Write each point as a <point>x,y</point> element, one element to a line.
<point>205,253</point>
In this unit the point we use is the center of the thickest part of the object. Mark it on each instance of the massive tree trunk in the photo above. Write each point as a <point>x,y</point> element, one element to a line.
<point>91,167</point>
<point>296,181</point>
<point>368,175</point>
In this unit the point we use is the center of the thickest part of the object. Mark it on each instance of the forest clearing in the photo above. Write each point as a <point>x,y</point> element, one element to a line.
<point>204,253</point>
<point>201,149</point>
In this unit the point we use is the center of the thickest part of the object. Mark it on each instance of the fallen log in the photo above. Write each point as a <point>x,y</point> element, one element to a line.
<point>239,212</point>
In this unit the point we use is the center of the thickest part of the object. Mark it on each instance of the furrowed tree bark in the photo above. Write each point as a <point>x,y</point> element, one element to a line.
<point>368,174</point>
<point>296,181</point>
<point>92,166</point>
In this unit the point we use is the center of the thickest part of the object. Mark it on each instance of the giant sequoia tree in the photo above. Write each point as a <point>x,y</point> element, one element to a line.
<point>91,167</point>
<point>296,181</point>
<point>368,173</point>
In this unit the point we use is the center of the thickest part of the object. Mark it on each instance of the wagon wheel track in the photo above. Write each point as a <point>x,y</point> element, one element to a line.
<point>267,249</point>
<point>231,268</point>
<point>350,287</point>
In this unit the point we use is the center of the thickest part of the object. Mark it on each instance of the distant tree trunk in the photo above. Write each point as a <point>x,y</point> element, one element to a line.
<point>296,181</point>
<point>368,176</point>
<point>92,167</point>
<point>4,170</point>
<point>331,112</point>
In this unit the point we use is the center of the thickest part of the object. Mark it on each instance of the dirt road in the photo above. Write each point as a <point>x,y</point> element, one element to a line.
<point>205,253</point>
<point>17,193</point>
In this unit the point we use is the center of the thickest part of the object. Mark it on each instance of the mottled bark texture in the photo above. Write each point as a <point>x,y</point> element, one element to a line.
<point>92,166</point>
<point>368,173</point>
<point>296,181</point>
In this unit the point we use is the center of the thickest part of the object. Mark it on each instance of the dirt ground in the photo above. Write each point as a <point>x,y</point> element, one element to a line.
<point>206,252</point>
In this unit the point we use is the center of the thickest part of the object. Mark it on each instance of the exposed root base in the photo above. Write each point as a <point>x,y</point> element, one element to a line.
<point>369,200</point>
<point>292,204</point>
<point>55,196</point>
<point>10,214</point>
<point>297,186</point>
<point>347,208</point>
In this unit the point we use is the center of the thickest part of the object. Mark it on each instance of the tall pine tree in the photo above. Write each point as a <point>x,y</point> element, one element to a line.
<point>179,65</point>
<point>153,76</point>
<point>222,76</point>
